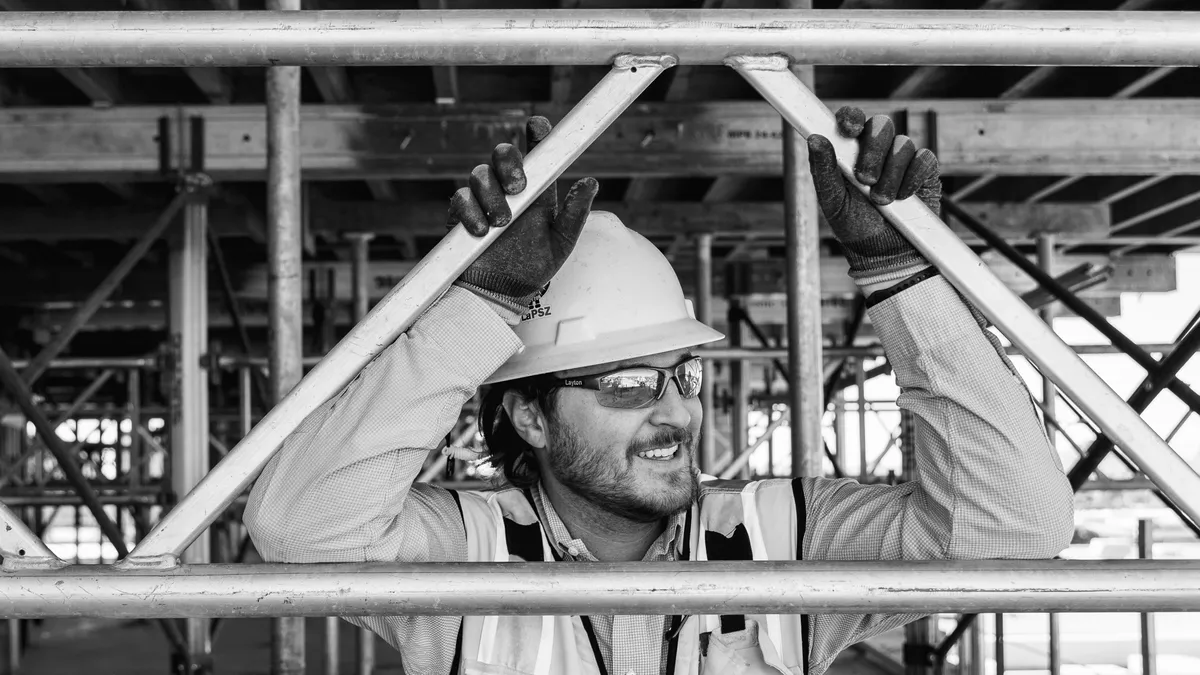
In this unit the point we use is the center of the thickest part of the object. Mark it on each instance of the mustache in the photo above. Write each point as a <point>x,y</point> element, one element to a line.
<point>668,437</point>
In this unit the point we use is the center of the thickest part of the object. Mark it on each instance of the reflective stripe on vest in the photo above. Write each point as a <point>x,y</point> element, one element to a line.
<point>502,525</point>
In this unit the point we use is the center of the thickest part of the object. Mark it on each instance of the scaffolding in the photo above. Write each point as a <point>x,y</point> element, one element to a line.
<point>168,573</point>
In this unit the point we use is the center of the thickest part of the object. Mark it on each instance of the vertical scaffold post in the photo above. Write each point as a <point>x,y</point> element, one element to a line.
<point>803,251</point>
<point>360,259</point>
<point>285,289</point>
<point>1149,644</point>
<point>703,307</point>
<point>739,369</point>
<point>188,264</point>
<point>1045,253</point>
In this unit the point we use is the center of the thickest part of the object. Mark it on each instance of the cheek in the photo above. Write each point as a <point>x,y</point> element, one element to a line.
<point>604,429</point>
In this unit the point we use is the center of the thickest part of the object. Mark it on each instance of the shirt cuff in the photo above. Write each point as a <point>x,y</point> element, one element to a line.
<point>878,282</point>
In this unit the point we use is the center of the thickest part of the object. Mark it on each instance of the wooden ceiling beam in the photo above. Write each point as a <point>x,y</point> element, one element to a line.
<point>349,142</point>
<point>61,221</point>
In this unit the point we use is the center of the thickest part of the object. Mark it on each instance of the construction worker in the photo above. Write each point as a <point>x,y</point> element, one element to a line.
<point>580,330</point>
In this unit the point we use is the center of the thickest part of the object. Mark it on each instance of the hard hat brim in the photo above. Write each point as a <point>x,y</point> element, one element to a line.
<point>607,348</point>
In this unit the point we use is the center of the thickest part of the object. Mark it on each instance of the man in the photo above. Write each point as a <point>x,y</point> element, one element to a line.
<point>595,423</point>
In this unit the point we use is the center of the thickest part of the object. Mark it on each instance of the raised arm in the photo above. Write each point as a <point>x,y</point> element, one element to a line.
<point>340,490</point>
<point>988,483</point>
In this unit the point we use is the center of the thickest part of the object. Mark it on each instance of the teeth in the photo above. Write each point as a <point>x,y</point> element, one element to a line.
<point>659,453</point>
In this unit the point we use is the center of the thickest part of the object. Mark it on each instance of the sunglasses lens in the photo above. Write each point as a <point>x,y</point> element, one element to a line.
<point>691,376</point>
<point>631,388</point>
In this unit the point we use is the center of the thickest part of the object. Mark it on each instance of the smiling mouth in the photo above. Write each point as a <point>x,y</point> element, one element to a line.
<point>660,454</point>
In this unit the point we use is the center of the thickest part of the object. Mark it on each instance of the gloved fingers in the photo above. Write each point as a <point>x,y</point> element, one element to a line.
<point>508,165</point>
<point>827,176</point>
<point>464,209</point>
<point>894,169</point>
<point>485,186</point>
<point>576,208</point>
<point>850,121</point>
<point>923,171</point>
<point>537,128</point>
<point>874,146</point>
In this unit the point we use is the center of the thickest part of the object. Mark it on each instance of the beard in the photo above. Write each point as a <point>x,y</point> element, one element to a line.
<point>614,483</point>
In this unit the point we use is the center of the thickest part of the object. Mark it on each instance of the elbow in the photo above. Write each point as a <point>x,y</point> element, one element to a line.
<point>1051,526</point>
<point>273,536</point>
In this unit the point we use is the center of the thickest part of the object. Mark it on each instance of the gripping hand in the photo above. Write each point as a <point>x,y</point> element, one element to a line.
<point>894,169</point>
<point>514,269</point>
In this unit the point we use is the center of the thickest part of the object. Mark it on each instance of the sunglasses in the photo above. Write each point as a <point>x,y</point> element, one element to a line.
<point>639,386</point>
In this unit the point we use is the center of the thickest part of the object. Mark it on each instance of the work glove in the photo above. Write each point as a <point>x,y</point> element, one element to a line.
<point>515,269</point>
<point>895,169</point>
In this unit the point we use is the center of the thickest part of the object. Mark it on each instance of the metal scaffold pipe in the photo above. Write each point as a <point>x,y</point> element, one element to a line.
<point>392,316</point>
<point>453,589</point>
<point>593,37</point>
<point>285,285</point>
<point>1177,479</point>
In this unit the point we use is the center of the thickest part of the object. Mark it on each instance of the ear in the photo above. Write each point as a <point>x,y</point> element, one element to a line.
<point>527,418</point>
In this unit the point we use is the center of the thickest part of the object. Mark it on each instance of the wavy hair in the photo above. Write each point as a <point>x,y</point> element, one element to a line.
<point>508,453</point>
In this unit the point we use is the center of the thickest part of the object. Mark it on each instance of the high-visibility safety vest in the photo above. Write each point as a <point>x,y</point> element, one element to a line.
<point>733,520</point>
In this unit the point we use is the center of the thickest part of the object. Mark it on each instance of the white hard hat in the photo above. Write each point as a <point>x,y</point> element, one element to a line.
<point>615,298</point>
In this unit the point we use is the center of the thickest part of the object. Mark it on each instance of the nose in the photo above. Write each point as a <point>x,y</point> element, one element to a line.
<point>671,409</point>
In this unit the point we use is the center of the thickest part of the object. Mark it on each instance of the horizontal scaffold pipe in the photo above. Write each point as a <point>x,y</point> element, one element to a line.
<point>605,588</point>
<point>581,37</point>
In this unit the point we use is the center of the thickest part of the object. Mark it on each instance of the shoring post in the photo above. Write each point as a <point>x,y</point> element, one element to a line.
<point>1149,641</point>
<point>360,261</point>
<point>802,244</point>
<point>188,311</point>
<point>977,665</point>
<point>14,646</point>
<point>245,399</point>
<point>332,645</point>
<point>999,623</point>
<point>839,430</point>
<point>1045,255</point>
<point>860,381</point>
<point>703,307</point>
<point>285,285</point>
<point>739,380</point>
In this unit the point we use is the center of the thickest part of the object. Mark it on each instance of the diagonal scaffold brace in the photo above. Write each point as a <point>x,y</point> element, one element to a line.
<point>771,77</point>
<point>393,315</point>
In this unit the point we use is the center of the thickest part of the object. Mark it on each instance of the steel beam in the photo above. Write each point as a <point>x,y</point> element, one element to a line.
<point>593,37</point>
<point>423,141</point>
<point>389,589</point>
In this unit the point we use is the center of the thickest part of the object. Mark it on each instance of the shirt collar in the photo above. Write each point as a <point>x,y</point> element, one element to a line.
<point>672,538</point>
